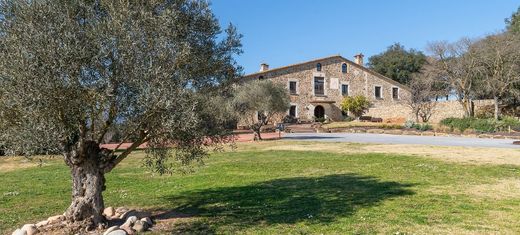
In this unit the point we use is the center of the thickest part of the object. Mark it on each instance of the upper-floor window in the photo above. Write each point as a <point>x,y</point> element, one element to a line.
<point>319,86</point>
<point>395,93</point>
<point>377,92</point>
<point>292,87</point>
<point>344,89</point>
<point>344,68</point>
<point>318,67</point>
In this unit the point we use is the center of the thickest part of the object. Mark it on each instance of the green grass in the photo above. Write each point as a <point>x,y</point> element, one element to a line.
<point>254,191</point>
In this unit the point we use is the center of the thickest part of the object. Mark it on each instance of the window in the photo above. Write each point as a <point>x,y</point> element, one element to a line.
<point>261,78</point>
<point>377,92</point>
<point>292,111</point>
<point>344,68</point>
<point>344,89</point>
<point>395,93</point>
<point>319,86</point>
<point>318,67</point>
<point>292,87</point>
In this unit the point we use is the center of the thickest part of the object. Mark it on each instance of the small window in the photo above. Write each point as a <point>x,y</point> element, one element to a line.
<point>377,92</point>
<point>261,78</point>
<point>344,89</point>
<point>292,87</point>
<point>292,111</point>
<point>319,86</point>
<point>395,93</point>
<point>318,67</point>
<point>344,68</point>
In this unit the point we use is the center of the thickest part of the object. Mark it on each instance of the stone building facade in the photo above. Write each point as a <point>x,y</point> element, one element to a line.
<point>317,88</point>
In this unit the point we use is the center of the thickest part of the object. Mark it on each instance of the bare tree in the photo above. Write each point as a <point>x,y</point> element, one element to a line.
<point>257,102</point>
<point>71,70</point>
<point>499,65</point>
<point>455,64</point>
<point>425,87</point>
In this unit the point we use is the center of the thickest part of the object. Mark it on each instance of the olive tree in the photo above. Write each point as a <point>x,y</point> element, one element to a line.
<point>257,102</point>
<point>72,71</point>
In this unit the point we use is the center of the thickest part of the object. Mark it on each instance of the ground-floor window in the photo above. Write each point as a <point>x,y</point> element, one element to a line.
<point>292,111</point>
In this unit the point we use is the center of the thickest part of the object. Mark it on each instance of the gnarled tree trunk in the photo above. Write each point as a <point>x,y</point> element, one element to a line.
<point>88,183</point>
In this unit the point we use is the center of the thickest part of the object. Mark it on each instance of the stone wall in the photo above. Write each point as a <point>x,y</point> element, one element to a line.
<point>361,81</point>
<point>442,110</point>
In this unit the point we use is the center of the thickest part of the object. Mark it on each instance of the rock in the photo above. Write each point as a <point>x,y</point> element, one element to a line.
<point>55,219</point>
<point>140,226</point>
<point>138,214</point>
<point>121,210</point>
<point>42,223</point>
<point>127,229</point>
<point>129,222</point>
<point>30,229</point>
<point>117,232</point>
<point>19,232</point>
<point>127,214</point>
<point>111,229</point>
<point>147,220</point>
<point>109,212</point>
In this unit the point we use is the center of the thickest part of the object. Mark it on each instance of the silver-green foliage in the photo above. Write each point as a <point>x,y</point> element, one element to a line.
<point>257,102</point>
<point>71,69</point>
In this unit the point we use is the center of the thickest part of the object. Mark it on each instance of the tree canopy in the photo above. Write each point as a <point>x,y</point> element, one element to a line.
<point>257,102</point>
<point>397,63</point>
<point>71,71</point>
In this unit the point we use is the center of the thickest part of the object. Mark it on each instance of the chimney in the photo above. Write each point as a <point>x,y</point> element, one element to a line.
<point>264,67</point>
<point>359,59</point>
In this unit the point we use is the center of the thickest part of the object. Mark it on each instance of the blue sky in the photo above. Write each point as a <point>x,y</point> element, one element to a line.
<point>282,32</point>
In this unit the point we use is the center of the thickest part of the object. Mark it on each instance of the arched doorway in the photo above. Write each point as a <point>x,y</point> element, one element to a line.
<point>319,111</point>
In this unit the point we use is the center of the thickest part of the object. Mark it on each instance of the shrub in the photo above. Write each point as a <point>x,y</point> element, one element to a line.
<point>409,124</point>
<point>481,125</point>
<point>422,127</point>
<point>289,119</point>
<point>357,105</point>
<point>322,119</point>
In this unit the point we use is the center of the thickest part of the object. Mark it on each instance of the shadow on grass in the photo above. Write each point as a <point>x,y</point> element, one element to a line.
<point>318,200</point>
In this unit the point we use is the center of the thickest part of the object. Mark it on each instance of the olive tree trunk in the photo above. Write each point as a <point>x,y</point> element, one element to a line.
<point>88,170</point>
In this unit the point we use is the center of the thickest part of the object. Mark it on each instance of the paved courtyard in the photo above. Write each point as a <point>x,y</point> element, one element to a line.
<point>402,139</point>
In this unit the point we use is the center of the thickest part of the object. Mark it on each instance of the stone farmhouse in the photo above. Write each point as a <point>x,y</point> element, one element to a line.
<point>317,88</point>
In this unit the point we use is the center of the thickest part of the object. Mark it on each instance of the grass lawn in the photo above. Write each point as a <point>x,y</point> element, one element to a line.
<point>257,190</point>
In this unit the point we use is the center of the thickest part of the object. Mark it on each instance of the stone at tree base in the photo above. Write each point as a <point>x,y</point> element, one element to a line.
<point>121,210</point>
<point>109,212</point>
<point>19,232</point>
<point>109,230</point>
<point>127,229</point>
<point>42,223</point>
<point>127,214</point>
<point>30,229</point>
<point>140,226</point>
<point>147,220</point>
<point>55,219</point>
<point>118,232</point>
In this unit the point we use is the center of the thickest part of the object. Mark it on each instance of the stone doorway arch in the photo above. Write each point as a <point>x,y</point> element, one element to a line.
<point>319,111</point>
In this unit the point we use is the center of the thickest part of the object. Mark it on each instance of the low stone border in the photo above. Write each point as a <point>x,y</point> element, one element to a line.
<point>416,132</point>
<point>123,221</point>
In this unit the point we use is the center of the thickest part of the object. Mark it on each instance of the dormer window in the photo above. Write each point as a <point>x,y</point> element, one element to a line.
<point>344,68</point>
<point>318,67</point>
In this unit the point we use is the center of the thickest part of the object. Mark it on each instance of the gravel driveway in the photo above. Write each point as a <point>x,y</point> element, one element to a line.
<point>402,139</point>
